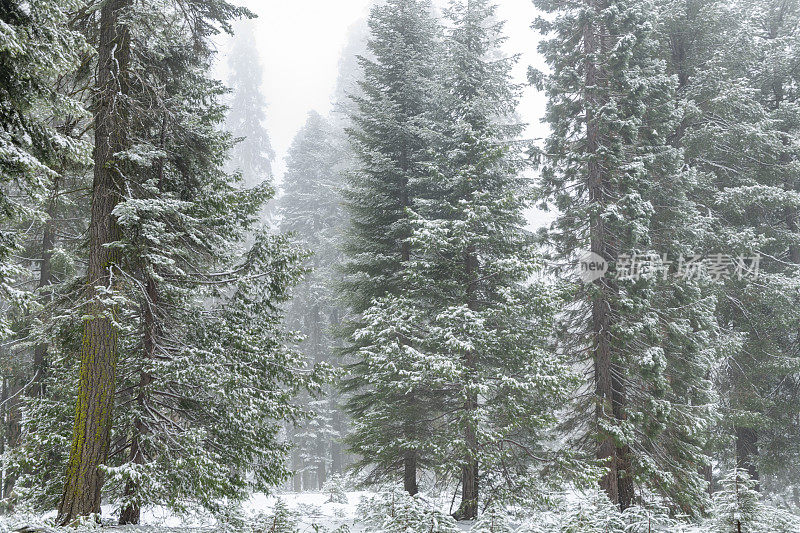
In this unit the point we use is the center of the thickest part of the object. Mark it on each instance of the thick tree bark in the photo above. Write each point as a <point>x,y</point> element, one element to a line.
<point>623,453</point>
<point>410,472</point>
<point>468,510</point>
<point>98,352</point>
<point>609,387</point>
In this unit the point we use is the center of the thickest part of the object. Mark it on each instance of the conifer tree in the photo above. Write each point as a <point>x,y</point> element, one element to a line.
<point>311,210</point>
<point>738,138</point>
<point>389,136</point>
<point>473,329</point>
<point>38,49</point>
<point>616,179</point>
<point>197,416</point>
<point>92,427</point>
<point>253,153</point>
<point>42,151</point>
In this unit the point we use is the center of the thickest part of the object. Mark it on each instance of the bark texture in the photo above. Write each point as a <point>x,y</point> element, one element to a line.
<point>468,509</point>
<point>609,386</point>
<point>98,353</point>
<point>410,473</point>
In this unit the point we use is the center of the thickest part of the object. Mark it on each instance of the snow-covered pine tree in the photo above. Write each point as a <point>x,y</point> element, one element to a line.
<point>39,50</point>
<point>692,32</point>
<point>763,205</point>
<point>208,373</point>
<point>472,327</point>
<point>311,210</point>
<point>99,347</point>
<point>204,367</point>
<point>741,141</point>
<point>390,136</point>
<point>253,154</point>
<point>43,154</point>
<point>350,73</point>
<point>615,178</point>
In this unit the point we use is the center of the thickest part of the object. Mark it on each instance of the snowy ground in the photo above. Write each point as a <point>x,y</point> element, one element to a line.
<point>314,512</point>
<point>313,509</point>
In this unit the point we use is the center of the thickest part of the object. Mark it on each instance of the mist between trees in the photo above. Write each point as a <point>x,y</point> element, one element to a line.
<point>177,332</point>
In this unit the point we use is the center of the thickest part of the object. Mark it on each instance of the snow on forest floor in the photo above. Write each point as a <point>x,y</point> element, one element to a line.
<point>313,510</point>
<point>395,511</point>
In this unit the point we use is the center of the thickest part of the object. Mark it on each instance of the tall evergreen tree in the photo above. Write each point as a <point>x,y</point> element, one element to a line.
<point>311,209</point>
<point>197,417</point>
<point>42,152</point>
<point>390,137</point>
<point>98,355</point>
<point>471,314</point>
<point>738,137</point>
<point>253,154</point>
<point>616,180</point>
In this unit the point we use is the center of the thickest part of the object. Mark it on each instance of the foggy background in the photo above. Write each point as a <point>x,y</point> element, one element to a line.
<point>300,45</point>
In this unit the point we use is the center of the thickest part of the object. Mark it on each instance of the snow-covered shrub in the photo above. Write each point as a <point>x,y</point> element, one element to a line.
<point>646,520</point>
<point>592,512</point>
<point>336,489</point>
<point>281,520</point>
<point>344,528</point>
<point>310,510</point>
<point>397,512</point>
<point>493,520</point>
<point>738,503</point>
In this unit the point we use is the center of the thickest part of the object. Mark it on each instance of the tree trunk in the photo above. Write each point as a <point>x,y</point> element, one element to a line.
<point>130,514</point>
<point>336,448</point>
<point>609,387</point>
<point>297,463</point>
<point>623,453</point>
<point>707,471</point>
<point>45,279</point>
<point>98,352</point>
<point>321,475</point>
<point>468,510</point>
<point>410,472</point>
<point>747,450</point>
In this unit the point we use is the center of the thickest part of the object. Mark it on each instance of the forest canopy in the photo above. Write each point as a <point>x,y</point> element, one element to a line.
<point>472,327</point>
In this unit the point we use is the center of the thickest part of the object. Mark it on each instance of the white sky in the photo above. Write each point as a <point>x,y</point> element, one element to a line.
<point>300,42</point>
